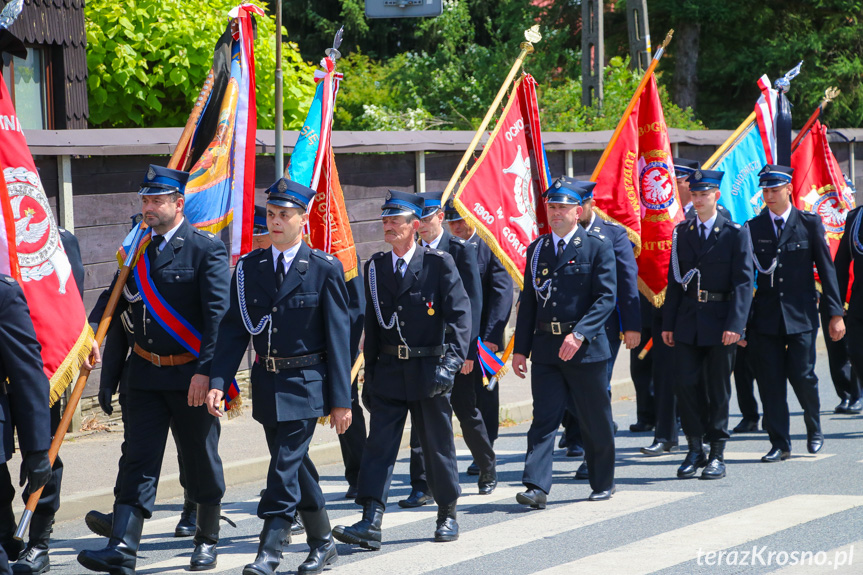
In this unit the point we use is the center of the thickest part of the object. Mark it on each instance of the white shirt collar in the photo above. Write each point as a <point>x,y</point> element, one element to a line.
<point>289,255</point>
<point>709,223</point>
<point>169,234</point>
<point>435,242</point>
<point>783,216</point>
<point>566,239</point>
<point>407,257</point>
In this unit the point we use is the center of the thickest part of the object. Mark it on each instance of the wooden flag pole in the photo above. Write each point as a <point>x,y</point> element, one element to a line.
<point>532,36</point>
<point>623,119</point>
<point>178,160</point>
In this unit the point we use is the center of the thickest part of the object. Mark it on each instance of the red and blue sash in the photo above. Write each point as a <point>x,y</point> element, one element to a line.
<point>171,321</point>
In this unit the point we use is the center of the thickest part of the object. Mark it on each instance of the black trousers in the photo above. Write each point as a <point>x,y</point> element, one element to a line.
<point>353,441</point>
<point>488,403</point>
<point>641,370</point>
<point>586,385</point>
<point>703,388</point>
<point>842,372</point>
<point>744,383</point>
<point>292,480</point>
<point>463,401</point>
<point>663,385</point>
<point>433,418</point>
<point>49,501</point>
<point>121,399</point>
<point>782,359</point>
<point>854,339</point>
<point>150,414</point>
<point>571,430</point>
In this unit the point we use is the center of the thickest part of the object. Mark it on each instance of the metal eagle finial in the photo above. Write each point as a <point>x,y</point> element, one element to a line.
<point>337,41</point>
<point>10,13</point>
<point>784,83</point>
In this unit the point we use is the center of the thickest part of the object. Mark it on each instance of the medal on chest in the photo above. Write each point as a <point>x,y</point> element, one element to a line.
<point>430,305</point>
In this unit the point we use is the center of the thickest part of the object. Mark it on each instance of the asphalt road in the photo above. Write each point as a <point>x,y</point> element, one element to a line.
<point>804,515</point>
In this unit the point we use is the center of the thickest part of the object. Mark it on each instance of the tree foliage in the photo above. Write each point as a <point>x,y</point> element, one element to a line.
<point>147,60</point>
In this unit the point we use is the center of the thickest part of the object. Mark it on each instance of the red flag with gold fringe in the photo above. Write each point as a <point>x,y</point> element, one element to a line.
<point>636,188</point>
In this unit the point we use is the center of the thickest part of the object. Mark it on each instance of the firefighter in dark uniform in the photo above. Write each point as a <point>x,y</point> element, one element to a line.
<point>850,252</point>
<point>784,325</point>
<point>23,408</point>
<point>570,286</point>
<point>34,560</point>
<point>463,399</point>
<point>707,303</point>
<point>497,298</point>
<point>167,383</point>
<point>417,332</point>
<point>292,301</point>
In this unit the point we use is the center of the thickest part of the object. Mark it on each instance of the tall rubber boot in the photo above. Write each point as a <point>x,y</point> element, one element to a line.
<point>367,532</point>
<point>120,556</point>
<point>275,535</point>
<point>320,537</point>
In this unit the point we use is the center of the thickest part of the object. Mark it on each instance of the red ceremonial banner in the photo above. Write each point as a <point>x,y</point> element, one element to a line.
<point>43,270</point>
<point>501,196</point>
<point>818,185</point>
<point>329,225</point>
<point>636,188</point>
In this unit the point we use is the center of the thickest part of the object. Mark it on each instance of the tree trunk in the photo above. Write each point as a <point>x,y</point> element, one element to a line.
<point>685,85</point>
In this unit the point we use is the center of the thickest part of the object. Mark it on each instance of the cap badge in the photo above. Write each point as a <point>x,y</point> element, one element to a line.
<point>151,174</point>
<point>697,176</point>
<point>557,184</point>
<point>283,186</point>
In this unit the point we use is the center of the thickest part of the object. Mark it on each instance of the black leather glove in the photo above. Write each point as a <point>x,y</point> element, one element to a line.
<point>35,470</point>
<point>105,396</point>
<point>444,375</point>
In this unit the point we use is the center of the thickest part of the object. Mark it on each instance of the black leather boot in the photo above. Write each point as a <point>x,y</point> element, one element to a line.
<point>320,537</point>
<point>186,526</point>
<point>447,527</point>
<point>695,458</point>
<point>367,532</point>
<point>8,526</point>
<point>206,538</point>
<point>119,557</point>
<point>99,523</point>
<point>297,527</point>
<point>487,481</point>
<point>716,461</point>
<point>275,535</point>
<point>34,560</point>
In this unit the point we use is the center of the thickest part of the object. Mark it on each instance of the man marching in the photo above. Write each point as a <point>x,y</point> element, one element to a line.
<point>178,293</point>
<point>417,331</point>
<point>293,302</point>
<point>570,285</point>
<point>786,243</point>
<point>704,316</point>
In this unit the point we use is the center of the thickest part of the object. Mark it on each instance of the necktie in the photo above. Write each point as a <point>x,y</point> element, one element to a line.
<point>401,265</point>
<point>153,248</point>
<point>280,270</point>
<point>779,223</point>
<point>561,247</point>
<point>703,232</point>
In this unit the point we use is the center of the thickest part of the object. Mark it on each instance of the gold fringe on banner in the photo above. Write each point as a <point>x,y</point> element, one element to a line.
<point>633,237</point>
<point>657,299</point>
<point>236,407</point>
<point>70,367</point>
<point>491,242</point>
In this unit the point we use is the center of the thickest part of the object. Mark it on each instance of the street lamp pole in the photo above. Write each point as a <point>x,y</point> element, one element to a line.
<point>280,112</point>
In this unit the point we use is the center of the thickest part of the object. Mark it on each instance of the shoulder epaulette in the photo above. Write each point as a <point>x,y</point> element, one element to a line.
<point>8,279</point>
<point>253,253</point>
<point>209,235</point>
<point>733,224</point>
<point>433,252</point>
<point>596,233</point>
<point>322,255</point>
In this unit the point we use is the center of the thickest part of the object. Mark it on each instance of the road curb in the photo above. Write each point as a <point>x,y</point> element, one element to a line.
<point>255,469</point>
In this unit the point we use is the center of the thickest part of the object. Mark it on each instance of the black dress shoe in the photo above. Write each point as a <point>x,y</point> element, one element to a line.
<point>855,406</point>
<point>695,458</point>
<point>536,498</point>
<point>574,451</point>
<point>297,527</point>
<point>446,526</point>
<point>561,443</point>
<point>815,443</point>
<point>581,472</point>
<point>716,461</point>
<point>473,468</point>
<point>417,498</point>
<point>34,561</point>
<point>746,426</point>
<point>487,482</point>
<point>640,427</point>
<point>188,520</point>
<point>659,448</point>
<point>843,406</point>
<point>352,492</point>
<point>775,455</point>
<point>99,523</point>
<point>602,495</point>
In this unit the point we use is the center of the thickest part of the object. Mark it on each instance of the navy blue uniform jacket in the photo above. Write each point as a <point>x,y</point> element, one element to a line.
<point>497,293</point>
<point>431,282</point>
<point>310,315</point>
<point>626,315</point>
<point>24,403</point>
<point>192,274</point>
<point>583,289</point>
<point>465,256</point>
<point>792,296</point>
<point>725,261</point>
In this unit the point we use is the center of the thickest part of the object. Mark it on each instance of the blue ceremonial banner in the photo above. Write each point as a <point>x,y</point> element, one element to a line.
<point>304,157</point>
<point>740,192</point>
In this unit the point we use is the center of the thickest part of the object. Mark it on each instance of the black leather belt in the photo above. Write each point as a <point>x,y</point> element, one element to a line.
<point>273,364</point>
<point>705,296</point>
<point>403,352</point>
<point>557,327</point>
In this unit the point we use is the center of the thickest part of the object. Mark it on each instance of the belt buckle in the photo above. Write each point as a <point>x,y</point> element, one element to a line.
<point>555,328</point>
<point>702,296</point>
<point>271,364</point>
<point>156,359</point>
<point>404,352</point>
